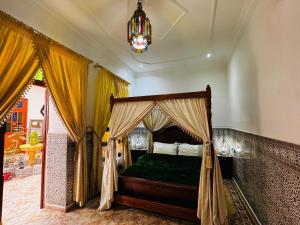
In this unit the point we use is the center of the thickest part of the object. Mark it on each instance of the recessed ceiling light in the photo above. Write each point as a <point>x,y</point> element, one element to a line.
<point>208,55</point>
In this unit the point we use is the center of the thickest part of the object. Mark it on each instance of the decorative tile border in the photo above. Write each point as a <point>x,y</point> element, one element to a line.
<point>268,173</point>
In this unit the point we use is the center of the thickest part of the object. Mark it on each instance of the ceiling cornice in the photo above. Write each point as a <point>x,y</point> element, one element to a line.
<point>109,55</point>
<point>104,59</point>
<point>241,25</point>
<point>192,67</point>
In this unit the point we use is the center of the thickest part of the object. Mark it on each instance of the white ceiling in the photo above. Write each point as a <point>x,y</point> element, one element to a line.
<point>183,30</point>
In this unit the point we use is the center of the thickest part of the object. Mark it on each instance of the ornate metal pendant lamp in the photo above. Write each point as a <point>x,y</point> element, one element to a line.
<point>139,30</point>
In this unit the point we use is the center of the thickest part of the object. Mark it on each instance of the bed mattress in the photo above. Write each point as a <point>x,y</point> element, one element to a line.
<point>167,168</point>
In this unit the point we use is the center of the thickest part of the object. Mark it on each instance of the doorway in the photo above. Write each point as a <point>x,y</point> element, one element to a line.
<point>22,144</point>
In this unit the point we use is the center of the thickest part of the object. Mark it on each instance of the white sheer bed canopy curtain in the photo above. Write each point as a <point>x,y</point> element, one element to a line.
<point>155,121</point>
<point>191,115</point>
<point>125,117</point>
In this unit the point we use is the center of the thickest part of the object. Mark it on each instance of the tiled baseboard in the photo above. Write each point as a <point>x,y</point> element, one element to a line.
<point>246,204</point>
<point>57,208</point>
<point>268,173</point>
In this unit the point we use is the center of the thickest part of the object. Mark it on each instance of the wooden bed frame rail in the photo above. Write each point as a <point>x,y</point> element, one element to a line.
<point>157,207</point>
<point>176,200</point>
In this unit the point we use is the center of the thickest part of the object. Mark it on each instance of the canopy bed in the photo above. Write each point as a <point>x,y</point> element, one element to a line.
<point>151,184</point>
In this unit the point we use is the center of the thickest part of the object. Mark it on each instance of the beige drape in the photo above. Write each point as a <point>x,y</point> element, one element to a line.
<point>220,211</point>
<point>155,121</point>
<point>190,115</point>
<point>66,75</point>
<point>125,117</point>
<point>126,152</point>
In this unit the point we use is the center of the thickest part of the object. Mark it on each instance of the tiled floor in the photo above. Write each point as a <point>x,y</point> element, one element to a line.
<point>21,206</point>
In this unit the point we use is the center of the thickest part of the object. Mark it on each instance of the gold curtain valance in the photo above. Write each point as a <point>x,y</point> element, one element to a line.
<point>18,63</point>
<point>10,22</point>
<point>66,76</point>
<point>15,25</point>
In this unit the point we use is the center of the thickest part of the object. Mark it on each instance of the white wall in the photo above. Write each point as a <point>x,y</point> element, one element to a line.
<point>264,73</point>
<point>56,126</point>
<point>188,80</point>
<point>36,100</point>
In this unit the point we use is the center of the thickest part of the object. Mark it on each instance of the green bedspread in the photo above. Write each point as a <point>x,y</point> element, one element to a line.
<point>169,168</point>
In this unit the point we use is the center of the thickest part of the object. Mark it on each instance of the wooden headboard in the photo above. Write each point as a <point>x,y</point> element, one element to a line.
<point>173,134</point>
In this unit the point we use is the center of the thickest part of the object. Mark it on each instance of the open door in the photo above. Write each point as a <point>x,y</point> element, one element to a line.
<point>15,121</point>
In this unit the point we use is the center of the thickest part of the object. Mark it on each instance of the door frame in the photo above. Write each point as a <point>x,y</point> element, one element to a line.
<point>45,132</point>
<point>2,131</point>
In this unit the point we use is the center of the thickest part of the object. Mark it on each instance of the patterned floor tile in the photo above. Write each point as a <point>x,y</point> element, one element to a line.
<point>21,206</point>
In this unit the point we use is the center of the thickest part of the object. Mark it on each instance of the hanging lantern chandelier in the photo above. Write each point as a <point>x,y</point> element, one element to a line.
<point>139,30</point>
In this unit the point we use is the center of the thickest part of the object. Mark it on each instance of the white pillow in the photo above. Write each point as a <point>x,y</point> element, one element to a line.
<point>162,148</point>
<point>190,150</point>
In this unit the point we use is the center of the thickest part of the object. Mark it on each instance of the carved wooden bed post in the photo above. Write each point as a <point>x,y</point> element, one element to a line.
<point>208,108</point>
<point>111,102</point>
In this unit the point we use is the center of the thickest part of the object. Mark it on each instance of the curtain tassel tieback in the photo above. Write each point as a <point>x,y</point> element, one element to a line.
<point>208,160</point>
<point>92,129</point>
<point>80,139</point>
<point>110,142</point>
<point>208,143</point>
<point>111,139</point>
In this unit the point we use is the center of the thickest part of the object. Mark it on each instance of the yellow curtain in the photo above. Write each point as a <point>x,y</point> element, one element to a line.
<point>104,88</point>
<point>18,62</point>
<point>66,76</point>
<point>121,88</point>
<point>107,84</point>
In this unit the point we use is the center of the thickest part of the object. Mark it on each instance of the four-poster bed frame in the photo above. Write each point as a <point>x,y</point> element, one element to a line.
<point>170,199</point>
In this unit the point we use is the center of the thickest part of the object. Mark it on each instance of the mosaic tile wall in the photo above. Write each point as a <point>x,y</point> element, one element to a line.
<point>268,173</point>
<point>59,170</point>
<point>71,146</point>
